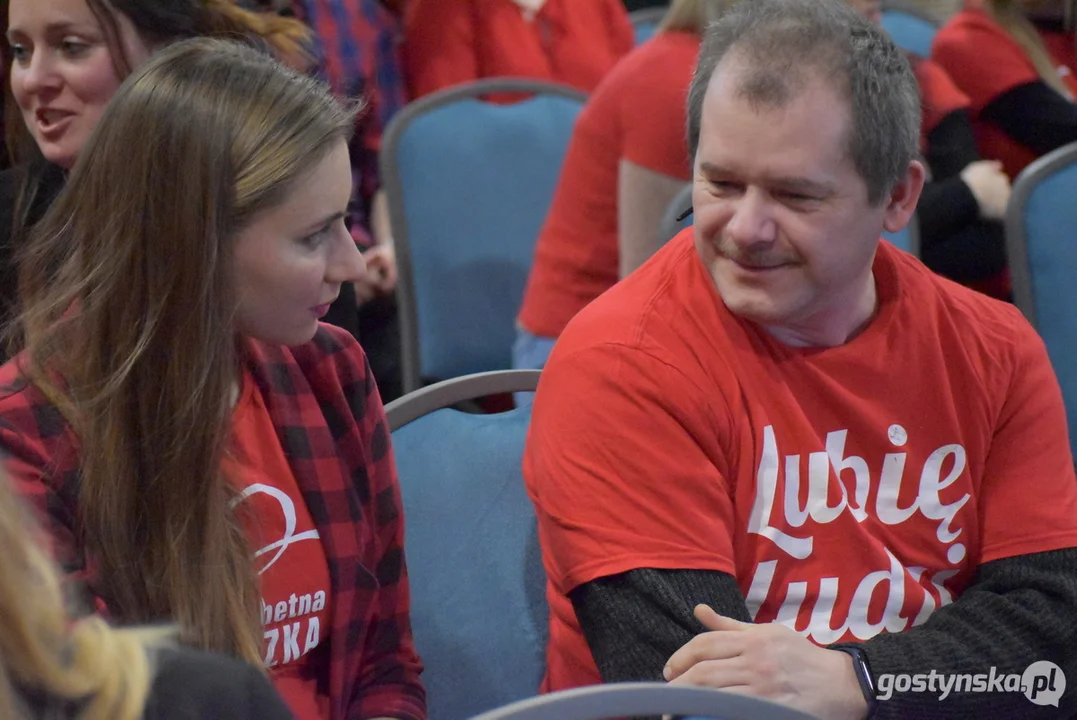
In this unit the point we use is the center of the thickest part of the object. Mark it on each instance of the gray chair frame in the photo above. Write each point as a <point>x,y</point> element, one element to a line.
<point>450,392</point>
<point>1016,238</point>
<point>411,366</point>
<point>616,700</point>
<point>680,202</point>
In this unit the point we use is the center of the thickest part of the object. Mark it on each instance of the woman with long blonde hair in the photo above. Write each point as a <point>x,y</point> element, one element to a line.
<point>60,83</point>
<point>1017,63</point>
<point>202,449</point>
<point>626,162</point>
<point>51,667</point>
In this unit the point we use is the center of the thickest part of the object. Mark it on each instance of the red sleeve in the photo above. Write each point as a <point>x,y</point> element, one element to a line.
<point>616,467</point>
<point>654,118</point>
<point>938,95</point>
<point>981,58</point>
<point>388,680</point>
<point>439,45</point>
<point>1029,495</point>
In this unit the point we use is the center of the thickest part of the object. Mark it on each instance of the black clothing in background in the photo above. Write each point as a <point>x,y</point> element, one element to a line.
<point>1035,116</point>
<point>640,4</point>
<point>189,685</point>
<point>52,179</point>
<point>955,241</point>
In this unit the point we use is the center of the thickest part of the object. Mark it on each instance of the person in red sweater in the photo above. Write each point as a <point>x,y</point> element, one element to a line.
<point>786,459</point>
<point>626,162</point>
<point>575,42</point>
<point>1016,61</point>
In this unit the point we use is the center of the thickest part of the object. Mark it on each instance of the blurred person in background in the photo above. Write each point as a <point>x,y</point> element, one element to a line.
<point>1015,60</point>
<point>357,46</point>
<point>627,160</point>
<point>961,209</point>
<point>574,42</point>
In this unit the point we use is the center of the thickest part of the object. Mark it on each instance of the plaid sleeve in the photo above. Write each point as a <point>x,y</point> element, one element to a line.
<point>388,684</point>
<point>40,462</point>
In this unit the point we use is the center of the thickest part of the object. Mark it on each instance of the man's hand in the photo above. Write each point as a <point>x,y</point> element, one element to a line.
<point>769,661</point>
<point>381,275</point>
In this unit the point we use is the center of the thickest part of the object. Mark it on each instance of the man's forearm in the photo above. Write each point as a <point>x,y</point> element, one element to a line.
<point>1017,611</point>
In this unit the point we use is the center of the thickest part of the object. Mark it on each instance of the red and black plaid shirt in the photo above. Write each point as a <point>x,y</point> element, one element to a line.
<point>331,424</point>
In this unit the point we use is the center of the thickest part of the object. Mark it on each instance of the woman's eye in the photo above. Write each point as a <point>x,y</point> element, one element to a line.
<point>74,48</point>
<point>20,53</point>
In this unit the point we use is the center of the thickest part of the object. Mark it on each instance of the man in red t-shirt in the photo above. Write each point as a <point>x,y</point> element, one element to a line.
<point>783,457</point>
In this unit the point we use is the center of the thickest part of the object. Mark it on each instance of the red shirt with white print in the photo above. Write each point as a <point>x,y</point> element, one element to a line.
<point>288,554</point>
<point>850,490</point>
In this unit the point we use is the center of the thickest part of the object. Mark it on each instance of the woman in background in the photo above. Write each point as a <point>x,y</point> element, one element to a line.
<point>1015,60</point>
<point>202,449</point>
<point>962,206</point>
<point>574,42</point>
<point>626,162</point>
<point>53,668</point>
<point>67,58</point>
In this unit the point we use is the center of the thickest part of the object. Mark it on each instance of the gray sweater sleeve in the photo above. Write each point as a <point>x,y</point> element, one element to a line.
<point>1017,611</point>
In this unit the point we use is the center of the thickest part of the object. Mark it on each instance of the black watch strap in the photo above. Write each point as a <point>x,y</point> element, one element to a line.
<point>863,676</point>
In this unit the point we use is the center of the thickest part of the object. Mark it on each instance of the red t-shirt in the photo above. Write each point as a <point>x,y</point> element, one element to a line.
<point>291,562</point>
<point>448,42</point>
<point>985,63</point>
<point>637,114</point>
<point>850,490</point>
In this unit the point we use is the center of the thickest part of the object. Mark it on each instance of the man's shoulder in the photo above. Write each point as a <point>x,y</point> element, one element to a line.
<point>664,317</point>
<point>940,310</point>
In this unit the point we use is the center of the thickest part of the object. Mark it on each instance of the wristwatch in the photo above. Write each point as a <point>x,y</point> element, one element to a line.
<point>863,676</point>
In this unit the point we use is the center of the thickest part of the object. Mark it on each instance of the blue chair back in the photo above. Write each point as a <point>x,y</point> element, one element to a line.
<point>617,700</point>
<point>478,607</point>
<point>907,239</point>
<point>671,225</point>
<point>910,31</point>
<point>645,22</point>
<point>1041,240</point>
<point>468,185</point>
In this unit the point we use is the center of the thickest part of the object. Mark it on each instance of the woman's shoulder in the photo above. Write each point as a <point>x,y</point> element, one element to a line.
<point>190,684</point>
